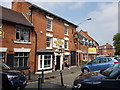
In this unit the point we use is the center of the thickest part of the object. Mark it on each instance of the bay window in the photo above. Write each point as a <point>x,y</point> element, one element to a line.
<point>45,61</point>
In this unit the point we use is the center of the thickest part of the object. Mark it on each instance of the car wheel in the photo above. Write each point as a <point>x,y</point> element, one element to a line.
<point>85,70</point>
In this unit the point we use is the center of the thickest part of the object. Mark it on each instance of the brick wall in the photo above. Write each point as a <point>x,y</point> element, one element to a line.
<point>8,42</point>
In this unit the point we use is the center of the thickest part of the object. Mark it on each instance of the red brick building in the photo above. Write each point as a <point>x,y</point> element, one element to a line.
<point>54,35</point>
<point>88,47</point>
<point>107,49</point>
<point>17,38</point>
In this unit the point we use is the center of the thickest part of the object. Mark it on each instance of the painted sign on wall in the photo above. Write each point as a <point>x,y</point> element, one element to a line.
<point>58,42</point>
<point>92,50</point>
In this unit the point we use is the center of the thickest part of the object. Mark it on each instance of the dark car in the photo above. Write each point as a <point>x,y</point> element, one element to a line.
<point>12,79</point>
<point>104,79</point>
<point>99,63</point>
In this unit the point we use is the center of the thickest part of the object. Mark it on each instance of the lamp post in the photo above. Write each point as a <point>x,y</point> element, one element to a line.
<point>79,39</point>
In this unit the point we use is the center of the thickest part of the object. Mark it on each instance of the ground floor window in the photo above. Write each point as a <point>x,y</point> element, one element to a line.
<point>44,62</point>
<point>2,56</point>
<point>21,59</point>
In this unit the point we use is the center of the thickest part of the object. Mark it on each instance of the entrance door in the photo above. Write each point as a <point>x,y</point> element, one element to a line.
<point>10,58</point>
<point>57,62</point>
<point>73,58</point>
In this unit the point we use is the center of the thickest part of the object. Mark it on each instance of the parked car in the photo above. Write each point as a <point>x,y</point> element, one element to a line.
<point>12,79</point>
<point>99,63</point>
<point>99,80</point>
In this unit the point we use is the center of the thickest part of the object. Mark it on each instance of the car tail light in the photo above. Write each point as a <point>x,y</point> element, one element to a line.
<point>115,62</point>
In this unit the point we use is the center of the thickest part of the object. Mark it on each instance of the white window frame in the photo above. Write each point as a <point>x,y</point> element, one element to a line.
<point>66,30</point>
<point>66,42</point>
<point>51,42</point>
<point>51,19</point>
<point>43,56</point>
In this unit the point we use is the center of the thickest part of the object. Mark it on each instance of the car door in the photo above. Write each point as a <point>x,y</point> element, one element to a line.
<point>103,63</point>
<point>110,84</point>
<point>94,65</point>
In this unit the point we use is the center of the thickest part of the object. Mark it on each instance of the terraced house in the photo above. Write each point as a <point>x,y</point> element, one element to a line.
<point>88,47</point>
<point>17,38</point>
<point>54,37</point>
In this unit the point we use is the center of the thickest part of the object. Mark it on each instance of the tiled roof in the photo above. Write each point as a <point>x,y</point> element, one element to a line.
<point>12,16</point>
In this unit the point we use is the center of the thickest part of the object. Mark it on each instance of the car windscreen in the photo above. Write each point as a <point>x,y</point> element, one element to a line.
<point>112,71</point>
<point>3,66</point>
<point>115,71</point>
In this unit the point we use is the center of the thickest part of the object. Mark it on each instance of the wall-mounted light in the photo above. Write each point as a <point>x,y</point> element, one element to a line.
<point>41,32</point>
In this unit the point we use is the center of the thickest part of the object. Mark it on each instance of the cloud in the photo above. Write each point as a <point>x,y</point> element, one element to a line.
<point>104,22</point>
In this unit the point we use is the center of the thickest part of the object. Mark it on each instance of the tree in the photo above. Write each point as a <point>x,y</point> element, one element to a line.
<point>116,43</point>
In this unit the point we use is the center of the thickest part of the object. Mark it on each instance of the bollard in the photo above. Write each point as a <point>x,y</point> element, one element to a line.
<point>29,75</point>
<point>62,84</point>
<point>40,82</point>
<point>42,76</point>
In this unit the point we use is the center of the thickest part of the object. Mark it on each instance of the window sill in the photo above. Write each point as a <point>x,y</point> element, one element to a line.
<point>20,42</point>
<point>49,48</point>
<point>49,30</point>
<point>66,34</point>
<point>67,49</point>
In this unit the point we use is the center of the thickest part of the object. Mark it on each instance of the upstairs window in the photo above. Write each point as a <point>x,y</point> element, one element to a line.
<point>49,42</point>
<point>66,44</point>
<point>22,35</point>
<point>66,30</point>
<point>49,23</point>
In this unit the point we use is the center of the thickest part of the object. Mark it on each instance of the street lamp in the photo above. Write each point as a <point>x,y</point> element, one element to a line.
<point>84,21</point>
<point>79,39</point>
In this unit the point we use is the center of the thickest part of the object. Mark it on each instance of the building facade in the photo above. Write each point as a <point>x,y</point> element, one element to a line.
<point>87,47</point>
<point>107,49</point>
<point>17,38</point>
<point>54,37</point>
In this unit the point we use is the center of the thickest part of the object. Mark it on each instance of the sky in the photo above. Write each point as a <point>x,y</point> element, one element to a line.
<point>103,25</point>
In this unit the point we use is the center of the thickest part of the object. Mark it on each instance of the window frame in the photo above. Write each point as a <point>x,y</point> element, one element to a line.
<point>66,44</point>
<point>22,31</point>
<point>2,56</point>
<point>41,62</point>
<point>65,30</point>
<point>50,42</point>
<point>49,26</point>
<point>21,55</point>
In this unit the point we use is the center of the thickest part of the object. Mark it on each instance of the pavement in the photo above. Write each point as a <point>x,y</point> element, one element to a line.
<point>48,77</point>
<point>54,74</point>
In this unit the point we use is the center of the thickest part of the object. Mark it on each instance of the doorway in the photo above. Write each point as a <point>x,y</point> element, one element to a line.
<point>73,58</point>
<point>57,63</point>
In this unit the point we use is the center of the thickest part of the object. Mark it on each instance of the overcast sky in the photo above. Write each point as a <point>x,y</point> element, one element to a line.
<point>104,14</point>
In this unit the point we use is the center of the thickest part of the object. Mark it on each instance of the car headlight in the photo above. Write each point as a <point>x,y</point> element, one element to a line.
<point>10,77</point>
